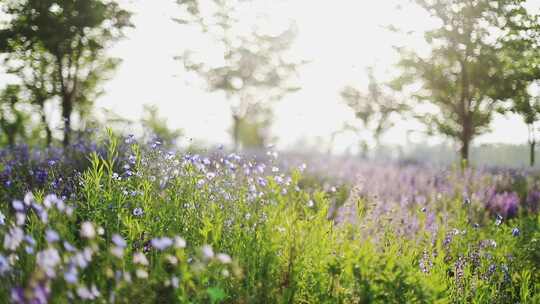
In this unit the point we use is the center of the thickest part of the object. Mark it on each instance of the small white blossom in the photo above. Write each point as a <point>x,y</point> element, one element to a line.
<point>179,242</point>
<point>20,218</point>
<point>207,251</point>
<point>224,258</point>
<point>28,198</point>
<point>141,273</point>
<point>87,230</point>
<point>140,258</point>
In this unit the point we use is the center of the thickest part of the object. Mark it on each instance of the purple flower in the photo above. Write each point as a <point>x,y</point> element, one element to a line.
<point>130,139</point>
<point>533,200</point>
<point>161,243</point>
<point>138,212</point>
<point>515,232</point>
<point>47,261</point>
<point>4,265</point>
<point>505,204</point>
<point>51,236</point>
<point>118,241</point>
<point>17,205</point>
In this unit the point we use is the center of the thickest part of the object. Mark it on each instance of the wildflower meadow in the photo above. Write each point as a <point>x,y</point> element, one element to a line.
<point>121,221</point>
<point>269,151</point>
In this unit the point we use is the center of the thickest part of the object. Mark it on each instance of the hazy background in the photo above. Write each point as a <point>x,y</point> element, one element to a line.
<point>339,39</point>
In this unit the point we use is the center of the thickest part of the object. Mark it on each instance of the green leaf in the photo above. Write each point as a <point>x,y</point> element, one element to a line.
<point>216,294</point>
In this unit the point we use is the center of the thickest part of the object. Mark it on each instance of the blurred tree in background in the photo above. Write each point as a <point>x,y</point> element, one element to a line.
<point>57,48</point>
<point>522,54</point>
<point>255,69</point>
<point>373,109</point>
<point>155,127</point>
<point>33,75</point>
<point>466,75</point>
<point>13,120</point>
<point>529,109</point>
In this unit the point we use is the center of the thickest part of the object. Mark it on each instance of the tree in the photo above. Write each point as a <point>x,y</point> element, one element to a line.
<point>72,35</point>
<point>156,126</point>
<point>255,70</point>
<point>529,109</point>
<point>33,74</point>
<point>12,119</point>
<point>522,53</point>
<point>465,75</point>
<point>373,109</point>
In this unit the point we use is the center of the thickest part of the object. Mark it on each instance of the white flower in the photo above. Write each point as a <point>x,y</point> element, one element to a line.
<point>207,251</point>
<point>88,294</point>
<point>310,203</point>
<point>87,230</point>
<point>2,218</point>
<point>28,198</point>
<point>20,218</point>
<point>224,258</point>
<point>117,252</point>
<point>141,273</point>
<point>13,239</point>
<point>82,258</point>
<point>52,200</point>
<point>175,281</point>
<point>179,242</point>
<point>140,258</point>
<point>171,259</point>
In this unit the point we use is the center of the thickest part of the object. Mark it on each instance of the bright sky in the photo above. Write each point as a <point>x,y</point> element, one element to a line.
<point>340,37</point>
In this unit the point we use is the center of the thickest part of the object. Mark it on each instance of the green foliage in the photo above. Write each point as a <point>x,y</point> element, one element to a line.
<point>57,48</point>
<point>13,120</point>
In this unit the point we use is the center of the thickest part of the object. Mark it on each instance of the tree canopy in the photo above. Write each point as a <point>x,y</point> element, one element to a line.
<point>58,48</point>
<point>255,69</point>
<point>467,74</point>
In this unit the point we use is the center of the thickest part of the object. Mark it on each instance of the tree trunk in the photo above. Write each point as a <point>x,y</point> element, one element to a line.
<point>464,150</point>
<point>236,131</point>
<point>47,128</point>
<point>67,108</point>
<point>532,145</point>
<point>11,139</point>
